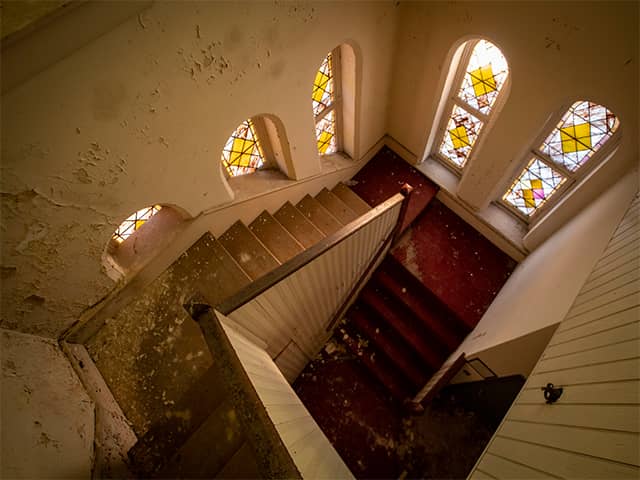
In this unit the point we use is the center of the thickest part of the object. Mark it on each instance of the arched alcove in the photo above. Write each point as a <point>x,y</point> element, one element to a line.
<point>139,237</point>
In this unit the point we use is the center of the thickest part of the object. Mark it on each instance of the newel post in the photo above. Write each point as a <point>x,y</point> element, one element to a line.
<point>406,190</point>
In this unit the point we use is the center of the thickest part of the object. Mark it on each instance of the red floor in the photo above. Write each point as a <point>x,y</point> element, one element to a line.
<point>383,177</point>
<point>460,266</point>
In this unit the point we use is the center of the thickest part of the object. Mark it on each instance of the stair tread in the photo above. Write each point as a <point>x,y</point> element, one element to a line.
<point>241,466</point>
<point>429,350</point>
<point>378,368</point>
<point>248,251</point>
<point>336,207</point>
<point>167,435</point>
<point>351,198</point>
<point>385,341</point>
<point>318,215</point>
<point>294,221</point>
<point>275,237</point>
<point>218,274</point>
<point>210,447</point>
<point>424,304</point>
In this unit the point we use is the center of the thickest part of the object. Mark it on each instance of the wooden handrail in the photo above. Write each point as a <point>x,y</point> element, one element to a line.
<point>405,191</point>
<point>265,282</point>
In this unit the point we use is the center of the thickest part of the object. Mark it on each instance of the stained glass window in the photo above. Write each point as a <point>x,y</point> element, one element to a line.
<point>461,134</point>
<point>323,86</point>
<point>325,109</point>
<point>533,187</point>
<point>484,77</point>
<point>134,222</point>
<point>242,154</point>
<point>326,133</point>
<point>481,79</point>
<point>582,131</point>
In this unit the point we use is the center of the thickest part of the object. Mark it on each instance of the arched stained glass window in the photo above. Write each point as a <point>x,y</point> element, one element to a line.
<point>134,222</point>
<point>242,153</point>
<point>555,165</point>
<point>325,105</point>
<point>482,73</point>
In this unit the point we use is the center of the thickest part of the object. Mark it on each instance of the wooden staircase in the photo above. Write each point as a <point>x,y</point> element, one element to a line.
<point>154,358</point>
<point>400,330</point>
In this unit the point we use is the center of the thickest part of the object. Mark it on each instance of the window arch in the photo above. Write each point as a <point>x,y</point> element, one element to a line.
<point>481,72</point>
<point>568,152</point>
<point>325,103</point>
<point>242,154</point>
<point>258,143</point>
<point>139,237</point>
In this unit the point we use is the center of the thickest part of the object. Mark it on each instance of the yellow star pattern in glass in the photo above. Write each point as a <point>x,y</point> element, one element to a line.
<point>576,138</point>
<point>581,132</point>
<point>533,187</point>
<point>483,81</point>
<point>459,137</point>
<point>242,153</point>
<point>323,88</point>
<point>326,134</point>
<point>135,222</point>
<point>485,75</point>
<point>462,131</point>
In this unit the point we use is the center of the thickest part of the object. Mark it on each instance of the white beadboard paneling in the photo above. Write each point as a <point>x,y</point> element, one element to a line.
<point>299,307</point>
<point>291,361</point>
<point>309,448</point>
<point>593,430</point>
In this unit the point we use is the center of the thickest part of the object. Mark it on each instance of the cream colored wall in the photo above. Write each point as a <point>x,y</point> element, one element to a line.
<point>138,117</point>
<point>46,415</point>
<point>542,288</point>
<point>557,53</point>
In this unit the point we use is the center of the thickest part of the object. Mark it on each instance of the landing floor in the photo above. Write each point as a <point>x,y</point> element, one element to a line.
<point>377,440</point>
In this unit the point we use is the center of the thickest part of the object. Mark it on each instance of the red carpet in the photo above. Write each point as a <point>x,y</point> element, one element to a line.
<point>455,262</point>
<point>384,175</point>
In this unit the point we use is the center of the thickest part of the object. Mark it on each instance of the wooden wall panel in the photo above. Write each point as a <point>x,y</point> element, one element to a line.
<point>592,431</point>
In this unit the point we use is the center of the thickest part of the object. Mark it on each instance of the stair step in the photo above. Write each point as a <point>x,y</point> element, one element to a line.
<point>298,225</point>
<point>318,215</point>
<point>210,447</point>
<point>406,325</point>
<point>208,263</point>
<point>351,198</point>
<point>163,438</point>
<point>279,241</point>
<point>385,340</point>
<point>248,251</point>
<point>336,207</point>
<point>434,315</point>
<point>377,366</point>
<point>241,466</point>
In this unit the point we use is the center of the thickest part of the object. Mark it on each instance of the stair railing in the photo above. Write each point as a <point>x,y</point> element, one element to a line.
<point>302,299</point>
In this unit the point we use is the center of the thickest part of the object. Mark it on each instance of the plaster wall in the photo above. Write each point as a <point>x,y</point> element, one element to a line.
<point>557,54</point>
<point>139,116</point>
<point>47,416</point>
<point>542,288</point>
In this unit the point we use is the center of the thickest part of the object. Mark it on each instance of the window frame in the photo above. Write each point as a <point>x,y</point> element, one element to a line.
<point>260,132</point>
<point>336,105</point>
<point>453,100</point>
<point>571,178</point>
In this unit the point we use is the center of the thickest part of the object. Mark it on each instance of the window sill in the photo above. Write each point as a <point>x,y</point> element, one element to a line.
<point>502,228</point>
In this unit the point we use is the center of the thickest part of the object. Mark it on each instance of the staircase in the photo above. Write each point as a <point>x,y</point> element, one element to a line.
<point>401,331</point>
<point>154,358</point>
<point>156,362</point>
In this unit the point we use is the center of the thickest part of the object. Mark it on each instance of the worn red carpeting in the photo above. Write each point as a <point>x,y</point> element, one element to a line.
<point>384,175</point>
<point>455,262</point>
<point>421,302</point>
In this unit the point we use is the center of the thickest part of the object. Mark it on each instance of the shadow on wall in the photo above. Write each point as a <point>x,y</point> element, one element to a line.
<point>140,237</point>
